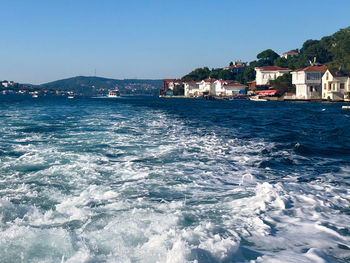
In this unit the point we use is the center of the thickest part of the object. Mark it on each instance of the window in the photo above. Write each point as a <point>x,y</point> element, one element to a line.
<point>342,85</point>
<point>313,76</point>
<point>327,76</point>
<point>329,86</point>
<point>310,88</point>
<point>325,86</point>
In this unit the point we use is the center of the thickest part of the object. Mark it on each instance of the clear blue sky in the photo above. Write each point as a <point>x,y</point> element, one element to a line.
<point>46,40</point>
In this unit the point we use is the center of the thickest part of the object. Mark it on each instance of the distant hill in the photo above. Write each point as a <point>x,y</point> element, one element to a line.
<point>91,86</point>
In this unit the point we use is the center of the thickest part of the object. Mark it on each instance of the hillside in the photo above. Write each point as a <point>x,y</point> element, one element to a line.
<point>334,51</point>
<point>91,86</point>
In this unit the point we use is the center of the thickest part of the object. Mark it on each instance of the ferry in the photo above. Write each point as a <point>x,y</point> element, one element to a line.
<point>113,94</point>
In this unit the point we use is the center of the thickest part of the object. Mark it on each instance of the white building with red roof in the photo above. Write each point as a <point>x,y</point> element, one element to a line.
<point>336,85</point>
<point>236,66</point>
<point>213,87</point>
<point>289,54</point>
<point>234,89</point>
<point>207,86</point>
<point>218,88</point>
<point>265,74</point>
<point>308,82</point>
<point>191,89</point>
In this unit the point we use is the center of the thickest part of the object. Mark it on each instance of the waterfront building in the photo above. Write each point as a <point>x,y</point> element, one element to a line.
<point>265,74</point>
<point>213,87</point>
<point>218,88</point>
<point>191,89</point>
<point>169,85</point>
<point>236,67</point>
<point>7,84</point>
<point>289,54</point>
<point>307,82</point>
<point>336,85</point>
<point>234,89</point>
<point>206,86</point>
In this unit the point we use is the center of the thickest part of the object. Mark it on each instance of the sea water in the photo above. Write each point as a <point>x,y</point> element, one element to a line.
<point>173,180</point>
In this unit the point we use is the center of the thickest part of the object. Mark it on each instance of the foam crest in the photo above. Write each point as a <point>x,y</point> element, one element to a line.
<point>128,183</point>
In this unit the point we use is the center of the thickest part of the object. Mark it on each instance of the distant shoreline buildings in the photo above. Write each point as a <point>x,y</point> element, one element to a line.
<point>312,83</point>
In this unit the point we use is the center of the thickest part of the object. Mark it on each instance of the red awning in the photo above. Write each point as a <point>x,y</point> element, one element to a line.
<point>266,92</point>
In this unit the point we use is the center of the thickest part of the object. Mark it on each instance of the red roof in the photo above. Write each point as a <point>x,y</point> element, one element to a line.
<point>191,82</point>
<point>235,85</point>
<point>313,68</point>
<point>274,68</point>
<point>169,80</point>
<point>235,66</point>
<point>266,92</point>
<point>210,80</point>
<point>290,53</point>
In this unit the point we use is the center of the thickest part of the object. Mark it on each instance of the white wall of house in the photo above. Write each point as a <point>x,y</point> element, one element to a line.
<point>335,88</point>
<point>287,54</point>
<point>191,89</point>
<point>231,91</point>
<point>218,88</point>
<point>308,84</point>
<point>205,86</point>
<point>264,76</point>
<point>171,85</point>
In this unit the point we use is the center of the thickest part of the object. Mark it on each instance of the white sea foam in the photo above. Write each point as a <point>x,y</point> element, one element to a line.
<point>134,190</point>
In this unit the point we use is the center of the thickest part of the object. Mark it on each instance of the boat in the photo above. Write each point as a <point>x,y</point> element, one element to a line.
<point>70,95</point>
<point>345,107</point>
<point>113,94</point>
<point>34,94</point>
<point>257,98</point>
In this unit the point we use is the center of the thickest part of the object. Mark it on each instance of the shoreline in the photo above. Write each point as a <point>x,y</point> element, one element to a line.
<point>247,98</point>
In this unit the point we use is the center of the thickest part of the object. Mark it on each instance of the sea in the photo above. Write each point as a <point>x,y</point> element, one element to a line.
<point>146,179</point>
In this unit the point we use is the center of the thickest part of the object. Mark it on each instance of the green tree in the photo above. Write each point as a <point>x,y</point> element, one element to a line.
<point>281,62</point>
<point>249,73</point>
<point>197,74</point>
<point>267,57</point>
<point>283,84</point>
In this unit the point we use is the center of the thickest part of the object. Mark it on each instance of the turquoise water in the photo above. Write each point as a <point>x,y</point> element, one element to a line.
<point>156,180</point>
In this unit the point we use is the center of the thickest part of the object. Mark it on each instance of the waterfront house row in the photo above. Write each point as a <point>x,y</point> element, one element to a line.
<point>209,86</point>
<point>318,82</point>
<point>214,87</point>
<point>314,82</point>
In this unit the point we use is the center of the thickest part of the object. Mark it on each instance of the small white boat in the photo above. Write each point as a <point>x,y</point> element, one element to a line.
<point>113,94</point>
<point>345,107</point>
<point>35,95</point>
<point>70,95</point>
<point>257,98</point>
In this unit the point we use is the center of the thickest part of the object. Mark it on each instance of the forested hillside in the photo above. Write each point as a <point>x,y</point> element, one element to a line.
<point>90,86</point>
<point>334,51</point>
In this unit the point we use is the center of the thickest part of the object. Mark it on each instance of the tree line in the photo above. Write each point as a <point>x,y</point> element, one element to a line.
<point>333,51</point>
